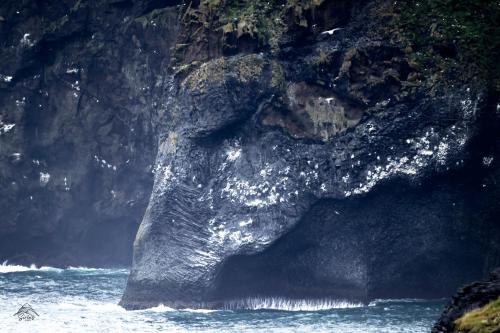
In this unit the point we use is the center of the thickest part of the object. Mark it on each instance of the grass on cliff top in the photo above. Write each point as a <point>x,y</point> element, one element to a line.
<point>482,320</point>
<point>260,19</point>
<point>471,27</point>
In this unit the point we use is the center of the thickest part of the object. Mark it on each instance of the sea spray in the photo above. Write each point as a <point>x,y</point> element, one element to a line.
<point>288,304</point>
<point>6,268</point>
<point>86,300</point>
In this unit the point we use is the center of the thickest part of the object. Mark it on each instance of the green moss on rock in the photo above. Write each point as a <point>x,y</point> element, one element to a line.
<point>163,17</point>
<point>460,34</point>
<point>262,21</point>
<point>278,80</point>
<point>244,69</point>
<point>482,320</point>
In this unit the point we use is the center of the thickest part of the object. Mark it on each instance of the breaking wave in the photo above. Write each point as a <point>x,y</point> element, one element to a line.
<point>269,303</point>
<point>377,302</point>
<point>5,267</point>
<point>163,308</point>
<point>286,304</point>
<point>82,269</point>
<point>81,299</point>
<point>88,305</point>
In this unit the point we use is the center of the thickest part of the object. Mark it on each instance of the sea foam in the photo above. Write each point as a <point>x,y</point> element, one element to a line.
<point>6,268</point>
<point>287,304</point>
<point>163,308</point>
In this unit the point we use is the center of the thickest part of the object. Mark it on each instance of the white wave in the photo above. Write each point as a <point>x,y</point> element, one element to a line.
<point>286,304</point>
<point>199,310</point>
<point>83,304</point>
<point>106,307</point>
<point>160,308</point>
<point>6,268</point>
<point>270,303</point>
<point>163,308</point>
<point>69,306</point>
<point>84,269</point>
<point>376,302</point>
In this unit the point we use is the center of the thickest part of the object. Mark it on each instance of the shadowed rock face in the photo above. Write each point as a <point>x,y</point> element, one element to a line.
<point>397,241</point>
<point>322,164</point>
<point>219,201</point>
<point>468,298</point>
<point>79,88</point>
<point>258,193</point>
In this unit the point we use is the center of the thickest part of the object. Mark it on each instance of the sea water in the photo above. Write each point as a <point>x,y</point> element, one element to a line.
<point>80,299</point>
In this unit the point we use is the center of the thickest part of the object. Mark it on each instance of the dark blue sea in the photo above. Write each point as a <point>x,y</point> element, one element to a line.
<point>80,299</point>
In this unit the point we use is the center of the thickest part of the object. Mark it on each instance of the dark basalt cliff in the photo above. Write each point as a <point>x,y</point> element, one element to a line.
<point>469,298</point>
<point>312,158</point>
<point>79,83</point>
<point>299,149</point>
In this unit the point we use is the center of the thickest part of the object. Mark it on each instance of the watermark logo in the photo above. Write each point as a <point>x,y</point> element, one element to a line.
<point>26,313</point>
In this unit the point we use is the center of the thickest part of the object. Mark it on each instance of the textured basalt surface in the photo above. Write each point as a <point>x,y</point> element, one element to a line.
<point>468,298</point>
<point>78,88</point>
<point>321,167</point>
<point>275,149</point>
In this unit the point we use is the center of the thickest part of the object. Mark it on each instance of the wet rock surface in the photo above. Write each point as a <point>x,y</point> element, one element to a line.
<point>302,154</point>
<point>77,138</point>
<point>468,298</point>
<point>260,148</point>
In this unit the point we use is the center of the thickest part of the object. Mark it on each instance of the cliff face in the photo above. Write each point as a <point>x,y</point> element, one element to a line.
<point>295,148</point>
<point>306,155</point>
<point>79,89</point>
<point>471,297</point>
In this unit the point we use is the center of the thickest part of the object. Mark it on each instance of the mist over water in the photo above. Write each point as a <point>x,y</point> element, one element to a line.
<point>80,299</point>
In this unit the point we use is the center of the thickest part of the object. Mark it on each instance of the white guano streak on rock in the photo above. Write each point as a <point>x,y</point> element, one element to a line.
<point>5,78</point>
<point>44,178</point>
<point>233,154</point>
<point>259,194</point>
<point>5,128</point>
<point>487,160</point>
<point>232,237</point>
<point>163,177</point>
<point>26,41</point>
<point>422,152</point>
<point>104,164</point>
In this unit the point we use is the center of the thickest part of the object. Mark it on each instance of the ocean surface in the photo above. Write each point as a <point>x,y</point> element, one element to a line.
<point>80,299</point>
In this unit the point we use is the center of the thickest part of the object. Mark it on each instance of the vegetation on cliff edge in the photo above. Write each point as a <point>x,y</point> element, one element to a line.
<point>261,23</point>
<point>482,320</point>
<point>464,34</point>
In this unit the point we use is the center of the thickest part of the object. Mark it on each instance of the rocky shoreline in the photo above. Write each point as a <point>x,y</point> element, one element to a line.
<point>468,298</point>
